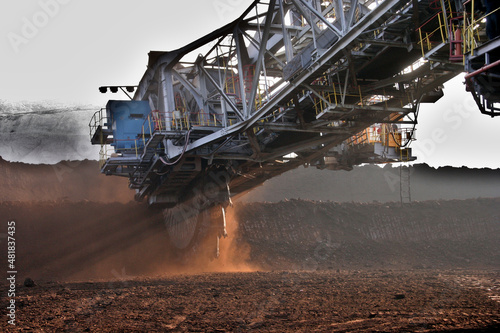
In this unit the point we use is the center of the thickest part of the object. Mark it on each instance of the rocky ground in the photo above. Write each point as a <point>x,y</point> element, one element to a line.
<point>320,301</point>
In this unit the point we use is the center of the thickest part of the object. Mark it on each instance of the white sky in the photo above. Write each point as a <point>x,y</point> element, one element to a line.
<point>86,44</point>
<point>77,46</point>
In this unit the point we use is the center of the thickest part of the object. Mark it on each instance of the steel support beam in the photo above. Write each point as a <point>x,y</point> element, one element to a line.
<point>286,36</point>
<point>222,93</point>
<point>189,86</point>
<point>260,57</point>
<point>239,45</point>
<point>341,44</point>
<point>321,17</point>
<point>166,96</point>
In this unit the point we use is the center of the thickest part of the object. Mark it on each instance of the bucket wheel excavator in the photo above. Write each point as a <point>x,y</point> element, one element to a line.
<point>326,84</point>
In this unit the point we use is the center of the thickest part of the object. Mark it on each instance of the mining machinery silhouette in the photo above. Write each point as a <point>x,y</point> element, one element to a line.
<point>324,84</point>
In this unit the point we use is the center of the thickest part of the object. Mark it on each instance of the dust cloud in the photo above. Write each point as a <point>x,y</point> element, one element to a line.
<point>76,241</point>
<point>234,252</point>
<point>76,224</point>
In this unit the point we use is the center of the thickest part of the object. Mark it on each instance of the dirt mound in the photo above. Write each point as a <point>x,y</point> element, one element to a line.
<point>319,235</point>
<point>87,240</point>
<point>370,183</point>
<point>81,180</point>
<point>66,180</point>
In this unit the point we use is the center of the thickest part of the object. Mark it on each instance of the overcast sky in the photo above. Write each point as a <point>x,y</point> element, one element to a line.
<point>63,50</point>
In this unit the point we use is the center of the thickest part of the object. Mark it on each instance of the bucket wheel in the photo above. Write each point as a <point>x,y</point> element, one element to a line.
<point>196,231</point>
<point>184,229</point>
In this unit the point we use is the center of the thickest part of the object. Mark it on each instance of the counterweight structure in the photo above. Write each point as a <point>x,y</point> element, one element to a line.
<point>327,84</point>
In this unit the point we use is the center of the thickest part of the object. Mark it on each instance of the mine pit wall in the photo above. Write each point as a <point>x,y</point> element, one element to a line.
<point>67,180</point>
<point>87,240</point>
<point>317,235</point>
<point>370,183</point>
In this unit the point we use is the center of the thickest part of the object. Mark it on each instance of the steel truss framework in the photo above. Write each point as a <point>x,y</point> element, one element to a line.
<point>288,76</point>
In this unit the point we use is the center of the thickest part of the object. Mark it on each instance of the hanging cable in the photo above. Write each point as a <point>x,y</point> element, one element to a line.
<point>410,139</point>
<point>182,154</point>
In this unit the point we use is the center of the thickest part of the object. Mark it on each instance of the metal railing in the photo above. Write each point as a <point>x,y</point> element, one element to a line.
<point>98,120</point>
<point>178,120</point>
<point>461,30</point>
<point>155,122</point>
<point>473,27</point>
<point>383,134</point>
<point>428,38</point>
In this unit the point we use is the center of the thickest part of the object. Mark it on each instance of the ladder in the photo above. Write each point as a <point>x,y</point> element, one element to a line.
<point>404,177</point>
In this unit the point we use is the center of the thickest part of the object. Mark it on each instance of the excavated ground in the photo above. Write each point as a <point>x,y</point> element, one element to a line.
<point>296,266</point>
<point>323,301</point>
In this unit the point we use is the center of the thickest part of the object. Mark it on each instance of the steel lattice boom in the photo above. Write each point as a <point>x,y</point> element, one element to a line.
<point>290,82</point>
